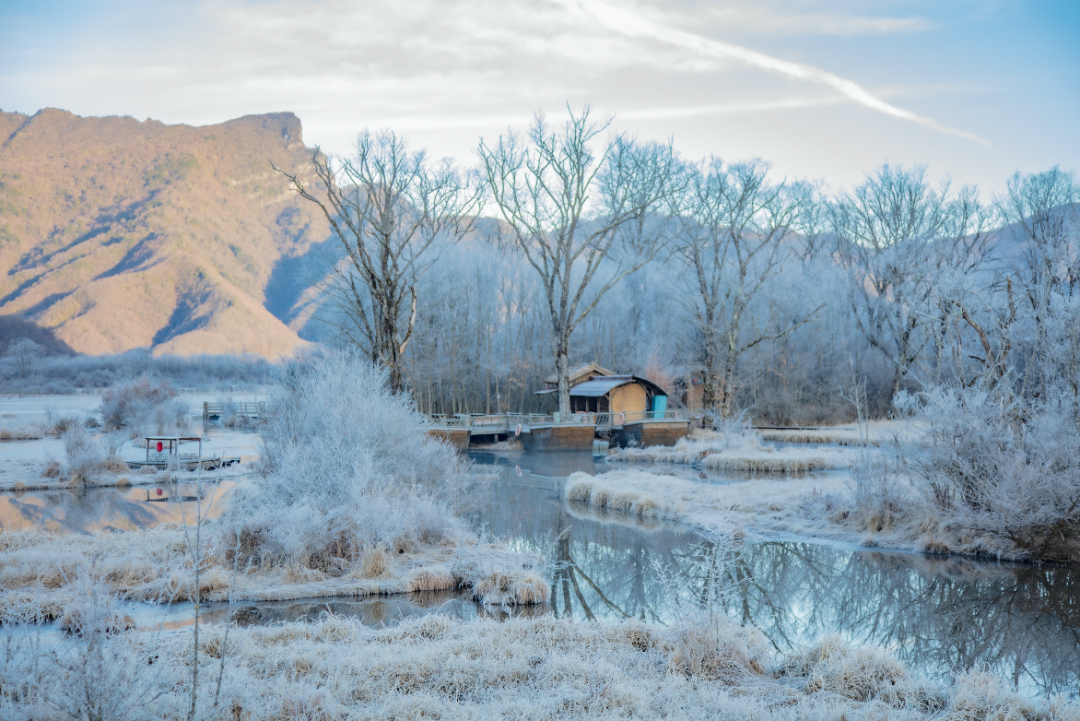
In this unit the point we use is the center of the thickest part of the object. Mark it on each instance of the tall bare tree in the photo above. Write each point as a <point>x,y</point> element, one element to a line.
<point>388,207</point>
<point>896,236</point>
<point>1040,257</point>
<point>733,241</point>
<point>583,218</point>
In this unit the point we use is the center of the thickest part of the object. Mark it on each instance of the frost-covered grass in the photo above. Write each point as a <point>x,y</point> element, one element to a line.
<point>737,449</point>
<point>41,573</point>
<point>543,668</point>
<point>759,505</point>
<point>29,433</point>
<point>827,505</point>
<point>37,476</point>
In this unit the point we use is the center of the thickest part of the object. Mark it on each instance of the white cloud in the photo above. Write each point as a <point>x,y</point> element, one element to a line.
<point>635,25</point>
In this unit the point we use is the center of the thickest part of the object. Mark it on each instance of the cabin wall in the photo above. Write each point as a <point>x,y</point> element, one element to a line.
<point>630,398</point>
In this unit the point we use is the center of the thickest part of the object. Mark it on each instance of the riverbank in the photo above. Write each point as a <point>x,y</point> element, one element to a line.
<point>438,667</point>
<point>736,451</point>
<point>41,573</point>
<point>820,505</point>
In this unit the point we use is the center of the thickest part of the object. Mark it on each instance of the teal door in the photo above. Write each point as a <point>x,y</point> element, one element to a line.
<point>659,404</point>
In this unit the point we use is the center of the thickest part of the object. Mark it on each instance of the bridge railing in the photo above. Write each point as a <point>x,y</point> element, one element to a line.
<point>668,415</point>
<point>508,422</point>
<point>252,408</point>
<point>440,420</point>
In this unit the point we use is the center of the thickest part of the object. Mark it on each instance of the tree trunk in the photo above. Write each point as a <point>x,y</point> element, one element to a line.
<point>727,390</point>
<point>562,363</point>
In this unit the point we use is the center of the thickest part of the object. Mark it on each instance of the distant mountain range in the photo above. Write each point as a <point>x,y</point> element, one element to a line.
<point>116,234</point>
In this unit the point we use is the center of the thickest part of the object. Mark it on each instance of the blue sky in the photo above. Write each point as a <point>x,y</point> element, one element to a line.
<point>822,89</point>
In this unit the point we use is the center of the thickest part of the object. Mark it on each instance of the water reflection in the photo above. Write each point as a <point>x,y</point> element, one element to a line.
<point>108,509</point>
<point>938,615</point>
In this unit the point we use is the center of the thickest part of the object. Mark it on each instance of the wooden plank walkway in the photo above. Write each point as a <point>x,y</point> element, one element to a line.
<point>507,423</point>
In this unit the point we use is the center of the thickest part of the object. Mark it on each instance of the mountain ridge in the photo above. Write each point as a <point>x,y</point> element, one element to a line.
<point>118,234</point>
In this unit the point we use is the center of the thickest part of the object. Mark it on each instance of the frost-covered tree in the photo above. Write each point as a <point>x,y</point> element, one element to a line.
<point>896,235</point>
<point>583,212</point>
<point>23,352</point>
<point>734,240</point>
<point>387,206</point>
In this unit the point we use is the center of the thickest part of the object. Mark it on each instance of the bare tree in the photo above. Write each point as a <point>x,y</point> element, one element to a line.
<point>388,207</point>
<point>1040,256</point>
<point>734,240</point>
<point>583,219</point>
<point>895,236</point>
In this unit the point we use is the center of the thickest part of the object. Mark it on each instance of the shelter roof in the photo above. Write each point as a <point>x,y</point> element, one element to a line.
<point>172,438</point>
<point>600,386</point>
<point>582,370</point>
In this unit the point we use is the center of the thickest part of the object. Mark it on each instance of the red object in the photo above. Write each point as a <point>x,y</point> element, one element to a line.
<point>159,446</point>
<point>159,491</point>
<point>517,469</point>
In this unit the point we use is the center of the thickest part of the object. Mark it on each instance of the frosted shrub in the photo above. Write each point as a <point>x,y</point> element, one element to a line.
<point>97,670</point>
<point>111,446</point>
<point>134,404</point>
<point>346,466</point>
<point>881,498</point>
<point>172,415</point>
<point>83,453</point>
<point>1002,466</point>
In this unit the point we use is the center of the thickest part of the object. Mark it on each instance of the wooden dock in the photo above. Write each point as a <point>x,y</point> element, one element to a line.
<point>221,411</point>
<point>552,432</point>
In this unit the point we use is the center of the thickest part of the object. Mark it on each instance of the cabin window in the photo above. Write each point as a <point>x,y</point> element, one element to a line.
<point>583,404</point>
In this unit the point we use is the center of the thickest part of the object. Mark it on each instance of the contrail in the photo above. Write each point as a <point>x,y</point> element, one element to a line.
<point>632,25</point>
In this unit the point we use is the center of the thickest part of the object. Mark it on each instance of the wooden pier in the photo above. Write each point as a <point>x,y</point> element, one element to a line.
<point>163,452</point>
<point>576,432</point>
<point>220,411</point>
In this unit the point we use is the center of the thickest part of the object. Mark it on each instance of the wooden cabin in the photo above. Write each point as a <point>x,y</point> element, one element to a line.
<point>631,408</point>
<point>597,390</point>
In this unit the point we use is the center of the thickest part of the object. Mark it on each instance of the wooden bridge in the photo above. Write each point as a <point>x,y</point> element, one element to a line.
<point>252,409</point>
<point>550,431</point>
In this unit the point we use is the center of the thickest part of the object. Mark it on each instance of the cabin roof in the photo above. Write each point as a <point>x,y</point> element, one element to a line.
<point>578,371</point>
<point>600,386</point>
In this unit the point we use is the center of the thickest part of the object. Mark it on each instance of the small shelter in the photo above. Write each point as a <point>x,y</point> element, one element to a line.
<point>165,452</point>
<point>594,389</point>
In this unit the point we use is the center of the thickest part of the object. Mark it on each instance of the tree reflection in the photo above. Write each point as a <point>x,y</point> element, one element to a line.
<point>938,615</point>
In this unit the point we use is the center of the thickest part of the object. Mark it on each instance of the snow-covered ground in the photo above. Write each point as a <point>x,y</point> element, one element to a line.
<point>744,451</point>
<point>543,668</point>
<point>23,462</point>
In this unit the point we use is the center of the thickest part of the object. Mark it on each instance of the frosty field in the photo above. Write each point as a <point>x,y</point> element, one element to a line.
<point>606,565</point>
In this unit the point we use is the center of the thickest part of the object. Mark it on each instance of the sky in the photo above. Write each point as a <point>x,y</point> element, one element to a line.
<point>822,89</point>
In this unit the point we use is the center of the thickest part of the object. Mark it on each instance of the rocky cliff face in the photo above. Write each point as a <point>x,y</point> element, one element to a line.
<point>118,234</point>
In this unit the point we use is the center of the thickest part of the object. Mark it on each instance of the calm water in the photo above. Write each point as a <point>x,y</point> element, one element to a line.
<point>938,615</point>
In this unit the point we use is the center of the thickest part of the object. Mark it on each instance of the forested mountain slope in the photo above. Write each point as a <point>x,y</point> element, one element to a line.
<point>117,234</point>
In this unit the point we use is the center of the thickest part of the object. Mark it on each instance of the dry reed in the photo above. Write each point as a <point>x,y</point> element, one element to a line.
<point>439,667</point>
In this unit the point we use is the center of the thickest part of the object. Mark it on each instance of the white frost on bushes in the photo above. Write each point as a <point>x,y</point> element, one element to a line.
<point>346,466</point>
<point>991,473</point>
